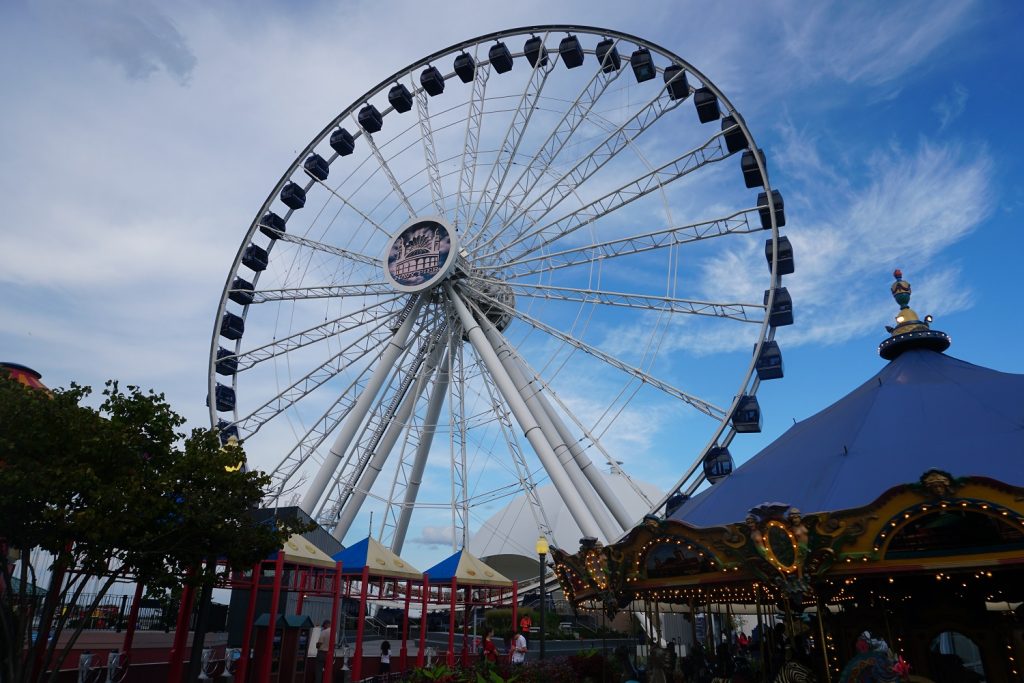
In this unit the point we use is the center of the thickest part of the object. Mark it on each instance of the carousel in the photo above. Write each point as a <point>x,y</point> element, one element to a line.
<point>880,539</point>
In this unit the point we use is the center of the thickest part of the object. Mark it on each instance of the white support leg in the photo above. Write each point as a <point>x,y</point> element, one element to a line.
<point>394,430</point>
<point>412,488</point>
<point>526,421</point>
<point>586,465</point>
<point>359,410</point>
<point>559,444</point>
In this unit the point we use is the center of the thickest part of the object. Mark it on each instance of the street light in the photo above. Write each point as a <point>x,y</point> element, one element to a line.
<point>542,550</point>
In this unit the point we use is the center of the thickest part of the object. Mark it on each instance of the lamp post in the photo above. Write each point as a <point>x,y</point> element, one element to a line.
<point>542,550</point>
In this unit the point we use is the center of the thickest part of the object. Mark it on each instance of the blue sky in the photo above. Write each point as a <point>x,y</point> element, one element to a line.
<point>140,138</point>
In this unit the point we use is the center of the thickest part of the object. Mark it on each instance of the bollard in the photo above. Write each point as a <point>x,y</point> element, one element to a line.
<point>205,665</point>
<point>84,666</point>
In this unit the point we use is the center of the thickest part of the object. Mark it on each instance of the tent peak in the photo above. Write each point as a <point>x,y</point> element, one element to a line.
<point>910,332</point>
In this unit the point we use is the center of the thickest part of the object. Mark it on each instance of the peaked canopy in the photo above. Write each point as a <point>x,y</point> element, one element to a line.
<point>466,569</point>
<point>924,410</point>
<point>298,550</point>
<point>381,561</point>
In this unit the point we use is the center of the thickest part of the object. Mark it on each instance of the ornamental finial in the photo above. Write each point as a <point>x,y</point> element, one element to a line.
<point>910,330</point>
<point>900,289</point>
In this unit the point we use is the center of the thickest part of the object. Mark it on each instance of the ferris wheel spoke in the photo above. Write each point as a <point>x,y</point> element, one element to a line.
<point>471,148</point>
<point>429,149</point>
<point>526,481</point>
<point>700,404</point>
<point>354,352</point>
<point>593,439</point>
<point>385,168</point>
<point>381,430</point>
<point>457,446</point>
<point>314,437</point>
<point>513,138</point>
<point>731,311</point>
<point>317,434</point>
<point>261,296</point>
<point>327,248</point>
<point>583,169</point>
<point>541,162</point>
<point>737,223</point>
<point>372,313</point>
<point>385,363</point>
<point>334,193</point>
<point>428,429</point>
<point>710,152</point>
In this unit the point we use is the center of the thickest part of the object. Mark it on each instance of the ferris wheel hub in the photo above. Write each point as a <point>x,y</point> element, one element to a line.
<point>421,254</point>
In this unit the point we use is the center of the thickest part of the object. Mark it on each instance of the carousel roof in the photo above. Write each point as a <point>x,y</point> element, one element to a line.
<point>924,410</point>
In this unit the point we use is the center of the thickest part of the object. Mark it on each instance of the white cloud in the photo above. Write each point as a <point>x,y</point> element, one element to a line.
<point>911,207</point>
<point>434,536</point>
<point>136,37</point>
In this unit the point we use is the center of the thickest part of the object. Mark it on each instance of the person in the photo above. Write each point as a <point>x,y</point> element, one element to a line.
<point>322,644</point>
<point>670,660</point>
<point>518,649</point>
<point>488,650</point>
<point>385,657</point>
<point>655,665</point>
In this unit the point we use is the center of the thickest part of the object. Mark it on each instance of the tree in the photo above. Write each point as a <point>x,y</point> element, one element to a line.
<point>114,493</point>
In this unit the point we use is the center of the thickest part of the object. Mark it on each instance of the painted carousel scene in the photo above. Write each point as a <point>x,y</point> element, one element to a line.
<point>489,384</point>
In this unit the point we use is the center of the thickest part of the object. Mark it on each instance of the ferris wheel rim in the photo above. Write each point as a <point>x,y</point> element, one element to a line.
<point>724,432</point>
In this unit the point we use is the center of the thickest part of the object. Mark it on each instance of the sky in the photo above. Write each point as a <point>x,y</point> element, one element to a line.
<point>139,139</point>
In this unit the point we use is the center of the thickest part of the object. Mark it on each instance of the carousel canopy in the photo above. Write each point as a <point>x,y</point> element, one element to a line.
<point>381,561</point>
<point>924,410</point>
<point>466,569</point>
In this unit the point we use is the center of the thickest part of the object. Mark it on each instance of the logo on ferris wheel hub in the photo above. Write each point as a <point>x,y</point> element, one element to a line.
<point>421,254</point>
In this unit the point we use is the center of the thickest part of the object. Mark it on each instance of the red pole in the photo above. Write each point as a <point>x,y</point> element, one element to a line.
<point>250,616</point>
<point>466,599</point>
<point>302,592</point>
<point>423,621</point>
<point>335,599</point>
<point>177,654</point>
<point>133,618</point>
<point>405,625</point>
<point>275,601</point>
<point>357,665</point>
<point>451,625</point>
<point>515,609</point>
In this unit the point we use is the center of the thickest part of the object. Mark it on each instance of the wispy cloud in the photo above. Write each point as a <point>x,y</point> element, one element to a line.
<point>871,44</point>
<point>911,207</point>
<point>951,105</point>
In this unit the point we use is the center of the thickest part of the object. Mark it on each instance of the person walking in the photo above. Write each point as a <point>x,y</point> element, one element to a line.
<point>322,644</point>
<point>385,658</point>
<point>488,650</point>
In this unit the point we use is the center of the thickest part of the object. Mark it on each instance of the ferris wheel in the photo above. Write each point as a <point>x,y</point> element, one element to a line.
<point>510,262</point>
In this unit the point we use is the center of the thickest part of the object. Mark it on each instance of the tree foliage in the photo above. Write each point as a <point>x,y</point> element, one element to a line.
<point>114,493</point>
